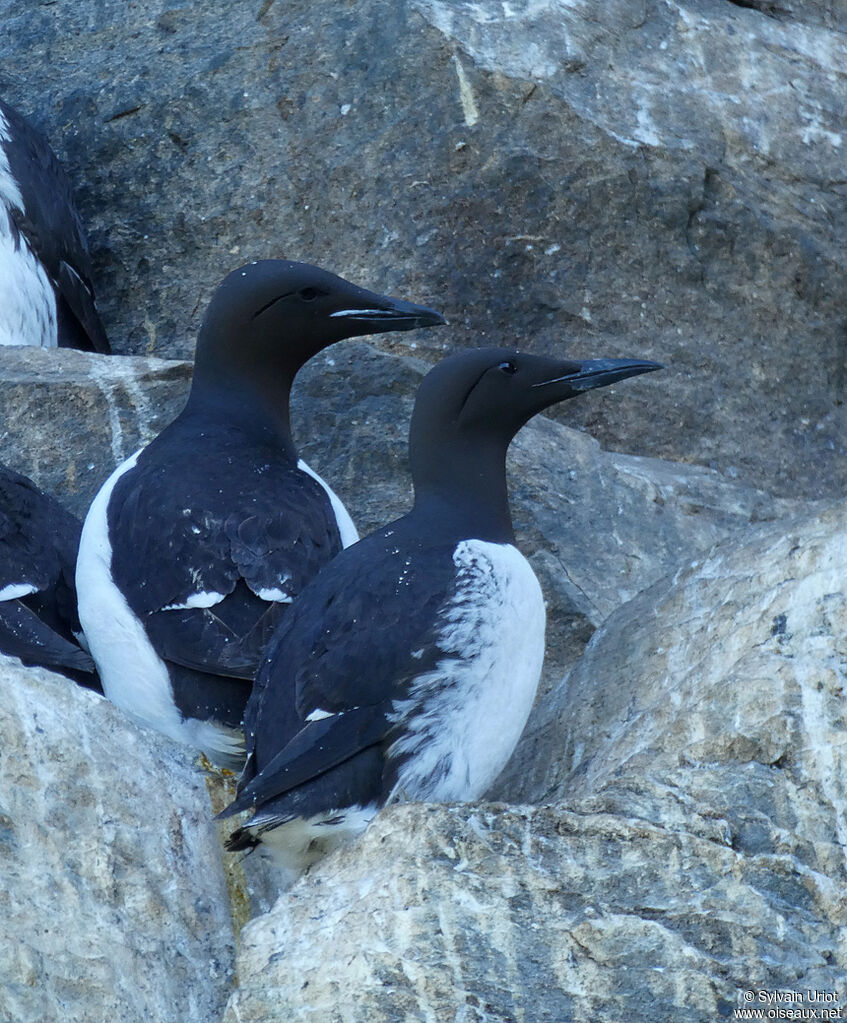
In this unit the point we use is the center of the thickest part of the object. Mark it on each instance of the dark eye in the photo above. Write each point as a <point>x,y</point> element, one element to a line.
<point>509,368</point>
<point>309,294</point>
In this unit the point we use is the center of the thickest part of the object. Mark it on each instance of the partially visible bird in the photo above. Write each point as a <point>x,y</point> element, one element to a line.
<point>407,668</point>
<point>38,615</point>
<point>196,545</point>
<point>46,295</point>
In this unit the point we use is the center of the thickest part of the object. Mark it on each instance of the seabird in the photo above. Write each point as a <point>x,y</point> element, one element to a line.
<point>407,668</point>
<point>195,546</point>
<point>46,295</point>
<point>38,545</point>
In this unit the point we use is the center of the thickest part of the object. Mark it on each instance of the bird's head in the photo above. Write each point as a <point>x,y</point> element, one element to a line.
<point>273,315</point>
<point>468,409</point>
<point>492,392</point>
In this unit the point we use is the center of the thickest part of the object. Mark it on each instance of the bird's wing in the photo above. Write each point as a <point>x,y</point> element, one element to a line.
<point>38,537</point>
<point>351,645</point>
<point>38,545</point>
<point>79,324</point>
<point>23,634</point>
<point>210,553</point>
<point>317,748</point>
<point>53,229</point>
<point>226,639</point>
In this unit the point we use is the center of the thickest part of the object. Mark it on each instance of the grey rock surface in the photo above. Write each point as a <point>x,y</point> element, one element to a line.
<point>597,526</point>
<point>112,891</point>
<point>718,691</point>
<point>68,417</point>
<point>695,850</point>
<point>659,178</point>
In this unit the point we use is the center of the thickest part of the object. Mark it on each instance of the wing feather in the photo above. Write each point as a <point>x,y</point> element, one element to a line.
<point>352,644</point>
<point>212,521</point>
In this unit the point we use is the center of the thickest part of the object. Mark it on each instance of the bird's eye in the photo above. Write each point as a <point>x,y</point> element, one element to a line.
<point>509,368</point>
<point>309,294</point>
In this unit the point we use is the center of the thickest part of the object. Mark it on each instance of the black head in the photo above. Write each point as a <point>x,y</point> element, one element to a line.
<point>470,406</point>
<point>495,391</point>
<point>271,316</point>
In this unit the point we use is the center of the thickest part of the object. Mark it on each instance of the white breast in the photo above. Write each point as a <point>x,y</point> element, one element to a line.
<point>463,719</point>
<point>27,300</point>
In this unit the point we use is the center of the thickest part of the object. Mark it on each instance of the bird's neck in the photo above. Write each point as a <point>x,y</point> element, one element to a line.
<point>259,407</point>
<point>465,489</point>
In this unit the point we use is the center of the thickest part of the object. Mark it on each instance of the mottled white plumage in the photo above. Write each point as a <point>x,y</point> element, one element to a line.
<point>10,192</point>
<point>294,845</point>
<point>426,639</point>
<point>462,720</point>
<point>27,299</point>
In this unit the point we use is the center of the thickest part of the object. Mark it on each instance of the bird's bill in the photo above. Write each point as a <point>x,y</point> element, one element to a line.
<point>386,314</point>
<point>592,373</point>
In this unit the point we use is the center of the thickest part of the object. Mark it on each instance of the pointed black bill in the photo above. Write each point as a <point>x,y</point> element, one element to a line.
<point>593,373</point>
<point>390,314</point>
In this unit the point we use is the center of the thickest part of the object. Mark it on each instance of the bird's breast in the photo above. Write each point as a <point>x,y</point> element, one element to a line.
<point>27,299</point>
<point>463,719</point>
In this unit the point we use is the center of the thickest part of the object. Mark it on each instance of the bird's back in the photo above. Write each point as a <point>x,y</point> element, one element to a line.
<point>203,509</point>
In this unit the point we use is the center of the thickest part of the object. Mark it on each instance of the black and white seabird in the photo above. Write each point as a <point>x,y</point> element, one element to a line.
<point>38,545</point>
<point>407,668</point>
<point>194,547</point>
<point>46,295</point>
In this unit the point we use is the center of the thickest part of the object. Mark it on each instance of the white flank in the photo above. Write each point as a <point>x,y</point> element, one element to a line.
<point>274,595</point>
<point>197,600</point>
<point>134,677</point>
<point>16,590</point>
<point>319,715</point>
<point>349,533</point>
<point>463,719</point>
<point>9,191</point>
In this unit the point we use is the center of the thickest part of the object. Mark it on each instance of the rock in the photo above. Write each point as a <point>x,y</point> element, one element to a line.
<point>70,417</point>
<point>113,897</point>
<point>694,850</point>
<point>661,179</point>
<point>597,526</point>
<point>637,177</point>
<point>719,689</point>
